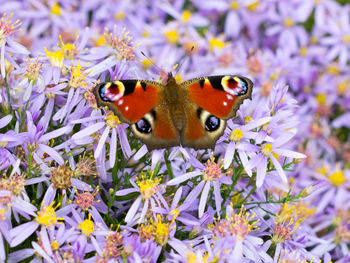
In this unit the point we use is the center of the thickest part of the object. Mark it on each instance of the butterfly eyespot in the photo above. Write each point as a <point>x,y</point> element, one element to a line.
<point>234,85</point>
<point>212,123</point>
<point>143,126</point>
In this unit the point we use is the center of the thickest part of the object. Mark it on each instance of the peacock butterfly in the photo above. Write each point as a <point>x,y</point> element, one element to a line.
<point>192,113</point>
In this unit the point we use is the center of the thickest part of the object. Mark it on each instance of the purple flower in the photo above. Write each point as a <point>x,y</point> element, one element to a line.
<point>339,37</point>
<point>150,195</point>
<point>268,152</point>
<point>212,176</point>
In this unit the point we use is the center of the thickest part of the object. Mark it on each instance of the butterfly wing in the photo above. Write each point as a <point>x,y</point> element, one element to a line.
<point>210,102</point>
<point>141,104</point>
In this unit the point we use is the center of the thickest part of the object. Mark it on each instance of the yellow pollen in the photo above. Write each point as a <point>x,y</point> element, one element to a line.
<point>69,50</point>
<point>236,135</point>
<point>112,120</point>
<point>175,212</point>
<point>247,119</point>
<point>186,15</point>
<point>321,98</point>
<point>266,149</point>
<point>172,36</point>
<point>307,89</point>
<point>314,40</point>
<point>56,9</point>
<point>333,69</point>
<point>191,257</point>
<point>157,230</point>
<point>145,33</point>
<point>288,22</point>
<point>303,51</point>
<point>148,186</point>
<point>346,38</point>
<point>146,64</point>
<point>216,43</point>
<point>337,178</point>
<point>55,58</point>
<point>252,7</point>
<point>87,226</point>
<point>55,245</point>
<point>47,217</point>
<point>100,41</point>
<point>119,16</point>
<point>77,76</point>
<point>7,27</point>
<point>343,87</point>
<point>234,5</point>
<point>178,78</point>
<point>3,210</point>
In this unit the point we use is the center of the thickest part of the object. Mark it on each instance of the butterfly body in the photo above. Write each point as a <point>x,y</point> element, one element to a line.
<point>192,114</point>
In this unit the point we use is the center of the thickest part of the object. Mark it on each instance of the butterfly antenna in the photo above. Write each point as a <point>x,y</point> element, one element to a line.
<point>150,60</point>
<point>178,66</point>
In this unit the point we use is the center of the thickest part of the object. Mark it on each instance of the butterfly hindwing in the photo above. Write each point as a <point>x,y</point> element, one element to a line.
<point>219,95</point>
<point>202,129</point>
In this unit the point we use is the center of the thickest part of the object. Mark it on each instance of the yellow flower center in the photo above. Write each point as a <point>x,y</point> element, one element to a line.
<point>178,78</point>
<point>216,43</point>
<point>87,227</point>
<point>100,41</point>
<point>157,230</point>
<point>238,225</point>
<point>337,178</point>
<point>288,22</point>
<point>314,40</point>
<point>146,64</point>
<point>247,119</point>
<point>343,87</point>
<point>55,58</point>
<point>333,69</point>
<point>234,5</point>
<point>77,76</point>
<point>321,98</point>
<point>119,16</point>
<point>236,135</point>
<point>266,149</point>
<point>252,7</point>
<point>346,38</point>
<point>172,36</point>
<point>148,186</point>
<point>47,217</point>
<point>303,51</point>
<point>55,245</point>
<point>7,27</point>
<point>322,170</point>
<point>112,120</point>
<point>186,15</point>
<point>56,9</point>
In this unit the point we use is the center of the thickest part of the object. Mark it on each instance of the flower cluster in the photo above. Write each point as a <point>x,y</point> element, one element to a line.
<point>77,186</point>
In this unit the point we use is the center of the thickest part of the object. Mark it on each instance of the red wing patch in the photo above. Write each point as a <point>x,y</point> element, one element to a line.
<point>216,101</point>
<point>129,99</point>
<point>135,105</point>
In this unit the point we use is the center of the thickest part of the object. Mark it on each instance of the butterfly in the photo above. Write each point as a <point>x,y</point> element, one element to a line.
<point>193,113</point>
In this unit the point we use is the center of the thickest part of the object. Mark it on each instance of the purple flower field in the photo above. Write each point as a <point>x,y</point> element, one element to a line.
<point>77,186</point>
